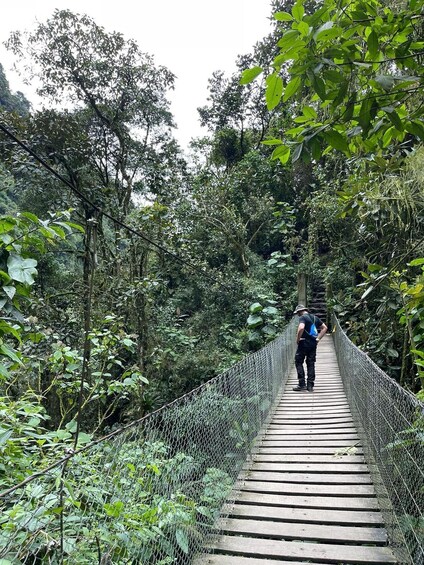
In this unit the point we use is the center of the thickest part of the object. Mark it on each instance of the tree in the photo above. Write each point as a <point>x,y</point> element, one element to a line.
<point>235,114</point>
<point>116,90</point>
<point>12,102</point>
<point>107,132</point>
<point>354,72</point>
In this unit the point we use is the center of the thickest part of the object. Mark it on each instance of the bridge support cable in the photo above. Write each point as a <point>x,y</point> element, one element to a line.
<point>151,492</point>
<point>390,422</point>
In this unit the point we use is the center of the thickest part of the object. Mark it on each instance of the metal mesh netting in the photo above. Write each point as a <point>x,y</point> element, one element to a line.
<point>150,492</point>
<point>390,421</point>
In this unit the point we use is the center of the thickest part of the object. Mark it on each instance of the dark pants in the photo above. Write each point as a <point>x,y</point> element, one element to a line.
<point>306,351</point>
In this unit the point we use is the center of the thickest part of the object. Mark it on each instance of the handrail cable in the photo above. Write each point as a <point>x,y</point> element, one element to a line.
<point>389,422</point>
<point>72,452</point>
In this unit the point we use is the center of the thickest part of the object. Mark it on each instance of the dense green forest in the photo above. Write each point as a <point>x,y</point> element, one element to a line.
<point>133,272</point>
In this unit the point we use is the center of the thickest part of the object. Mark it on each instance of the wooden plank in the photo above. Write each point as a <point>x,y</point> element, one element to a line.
<point>284,443</point>
<point>301,426</point>
<point>314,458</point>
<point>220,559</point>
<point>343,431</point>
<point>301,414</point>
<point>313,501</point>
<point>298,418</point>
<point>312,489</point>
<point>352,554</point>
<point>317,396</point>
<point>298,414</point>
<point>304,395</point>
<point>310,467</point>
<point>288,437</point>
<point>303,410</point>
<point>304,450</point>
<point>307,532</point>
<point>307,515</point>
<point>312,407</point>
<point>321,478</point>
<point>326,387</point>
<point>312,421</point>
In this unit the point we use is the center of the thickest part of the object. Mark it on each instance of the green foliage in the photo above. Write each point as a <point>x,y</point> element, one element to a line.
<point>406,452</point>
<point>264,319</point>
<point>9,101</point>
<point>19,237</point>
<point>7,185</point>
<point>24,439</point>
<point>412,314</point>
<point>361,91</point>
<point>113,379</point>
<point>155,523</point>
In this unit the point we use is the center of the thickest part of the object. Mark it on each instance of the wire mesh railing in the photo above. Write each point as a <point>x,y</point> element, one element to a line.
<point>151,492</point>
<point>390,421</point>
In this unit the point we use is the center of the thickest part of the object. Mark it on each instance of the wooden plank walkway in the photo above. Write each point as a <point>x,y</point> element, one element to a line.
<point>302,501</point>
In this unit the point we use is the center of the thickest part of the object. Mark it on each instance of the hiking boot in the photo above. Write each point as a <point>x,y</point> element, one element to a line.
<point>299,387</point>
<point>310,387</point>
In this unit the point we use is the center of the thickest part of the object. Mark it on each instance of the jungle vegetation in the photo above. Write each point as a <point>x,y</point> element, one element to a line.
<point>138,272</point>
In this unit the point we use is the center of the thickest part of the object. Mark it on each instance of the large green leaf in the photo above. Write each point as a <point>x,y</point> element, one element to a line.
<point>336,140</point>
<point>3,371</point>
<point>416,128</point>
<point>417,262</point>
<point>20,269</point>
<point>396,121</point>
<point>10,291</point>
<point>271,310</point>
<point>319,87</point>
<point>283,17</point>
<point>323,30</point>
<point>272,142</point>
<point>292,87</point>
<point>7,224</point>
<point>30,216</point>
<point>7,328</point>
<point>315,148</point>
<point>274,90</point>
<point>182,540</point>
<point>255,307</point>
<point>281,152</point>
<point>254,320</point>
<point>10,353</point>
<point>298,11</point>
<point>288,39</point>
<point>284,157</point>
<point>249,75</point>
<point>364,116</point>
<point>297,152</point>
<point>372,43</point>
<point>385,81</point>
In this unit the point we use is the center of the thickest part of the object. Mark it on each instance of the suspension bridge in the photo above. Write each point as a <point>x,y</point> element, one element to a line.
<point>308,493</point>
<point>241,471</point>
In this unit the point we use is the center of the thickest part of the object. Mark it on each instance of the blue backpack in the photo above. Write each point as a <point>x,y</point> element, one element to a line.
<point>313,332</point>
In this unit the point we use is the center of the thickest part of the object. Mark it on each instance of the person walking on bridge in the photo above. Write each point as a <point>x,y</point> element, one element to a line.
<point>307,341</point>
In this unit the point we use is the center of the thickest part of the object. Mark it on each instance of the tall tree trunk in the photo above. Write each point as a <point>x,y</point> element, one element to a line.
<point>88,281</point>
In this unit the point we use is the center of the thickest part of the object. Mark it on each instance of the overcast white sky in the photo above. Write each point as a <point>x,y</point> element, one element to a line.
<point>193,38</point>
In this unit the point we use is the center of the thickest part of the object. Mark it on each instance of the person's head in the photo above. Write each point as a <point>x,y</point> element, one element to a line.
<point>300,310</point>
